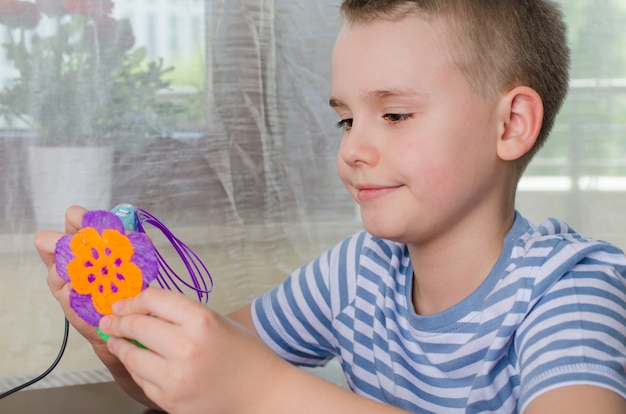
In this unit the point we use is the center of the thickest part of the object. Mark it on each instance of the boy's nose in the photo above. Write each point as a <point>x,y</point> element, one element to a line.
<point>357,148</point>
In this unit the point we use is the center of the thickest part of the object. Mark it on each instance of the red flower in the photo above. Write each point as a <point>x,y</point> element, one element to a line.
<point>84,7</point>
<point>108,33</point>
<point>88,7</point>
<point>50,7</point>
<point>15,13</point>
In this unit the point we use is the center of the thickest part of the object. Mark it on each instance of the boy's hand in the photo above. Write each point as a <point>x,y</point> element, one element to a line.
<point>45,242</point>
<point>196,360</point>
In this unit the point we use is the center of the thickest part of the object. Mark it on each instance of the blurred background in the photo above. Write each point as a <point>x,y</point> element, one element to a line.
<point>213,115</point>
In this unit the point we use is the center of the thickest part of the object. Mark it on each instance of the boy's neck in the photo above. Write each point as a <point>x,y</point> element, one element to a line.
<point>452,268</point>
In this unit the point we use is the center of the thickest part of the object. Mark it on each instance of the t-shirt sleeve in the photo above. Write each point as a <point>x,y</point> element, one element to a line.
<point>576,332</point>
<point>296,318</point>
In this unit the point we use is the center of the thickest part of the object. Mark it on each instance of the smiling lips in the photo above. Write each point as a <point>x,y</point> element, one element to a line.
<point>372,192</point>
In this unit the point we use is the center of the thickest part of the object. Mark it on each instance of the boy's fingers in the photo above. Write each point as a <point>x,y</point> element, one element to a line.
<point>45,242</point>
<point>164,304</point>
<point>147,330</point>
<point>146,365</point>
<point>73,219</point>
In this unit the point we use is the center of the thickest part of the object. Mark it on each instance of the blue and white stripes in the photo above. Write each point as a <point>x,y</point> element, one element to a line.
<point>552,312</point>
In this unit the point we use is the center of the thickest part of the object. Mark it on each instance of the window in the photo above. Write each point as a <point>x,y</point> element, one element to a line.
<point>234,147</point>
<point>580,174</point>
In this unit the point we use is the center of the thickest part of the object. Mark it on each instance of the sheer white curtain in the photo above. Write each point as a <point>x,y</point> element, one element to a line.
<point>238,156</point>
<point>580,175</point>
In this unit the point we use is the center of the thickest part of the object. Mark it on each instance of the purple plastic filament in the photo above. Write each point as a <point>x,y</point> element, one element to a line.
<point>200,282</point>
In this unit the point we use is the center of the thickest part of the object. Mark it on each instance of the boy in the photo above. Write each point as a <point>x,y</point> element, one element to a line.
<point>451,301</point>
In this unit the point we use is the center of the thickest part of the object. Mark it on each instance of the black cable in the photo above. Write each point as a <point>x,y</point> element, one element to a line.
<point>49,370</point>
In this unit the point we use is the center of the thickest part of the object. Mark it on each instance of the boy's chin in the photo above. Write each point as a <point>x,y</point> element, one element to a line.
<point>382,231</point>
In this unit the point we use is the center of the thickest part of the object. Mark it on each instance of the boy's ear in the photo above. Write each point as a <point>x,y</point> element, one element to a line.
<point>521,117</point>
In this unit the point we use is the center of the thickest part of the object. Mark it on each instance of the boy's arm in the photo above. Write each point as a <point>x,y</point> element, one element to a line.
<point>243,316</point>
<point>122,377</point>
<point>301,386</point>
<point>304,393</point>
<point>215,364</point>
<point>578,399</point>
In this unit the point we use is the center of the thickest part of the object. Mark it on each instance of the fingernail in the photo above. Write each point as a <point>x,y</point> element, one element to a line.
<point>105,323</point>
<point>111,343</point>
<point>117,306</point>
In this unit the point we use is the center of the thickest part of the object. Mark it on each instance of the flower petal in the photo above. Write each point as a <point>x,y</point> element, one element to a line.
<point>63,256</point>
<point>83,306</point>
<point>86,242</point>
<point>145,256</point>
<point>101,220</point>
<point>84,279</point>
<point>128,285</point>
<point>120,244</point>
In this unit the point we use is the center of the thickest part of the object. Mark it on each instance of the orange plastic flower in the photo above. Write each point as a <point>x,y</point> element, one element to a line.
<point>102,267</point>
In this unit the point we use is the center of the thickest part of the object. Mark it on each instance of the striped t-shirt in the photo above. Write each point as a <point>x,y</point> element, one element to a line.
<point>552,312</point>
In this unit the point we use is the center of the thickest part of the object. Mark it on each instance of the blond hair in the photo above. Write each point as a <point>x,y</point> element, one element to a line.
<point>497,44</point>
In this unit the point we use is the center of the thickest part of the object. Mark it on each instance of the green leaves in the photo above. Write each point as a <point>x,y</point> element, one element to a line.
<point>81,81</point>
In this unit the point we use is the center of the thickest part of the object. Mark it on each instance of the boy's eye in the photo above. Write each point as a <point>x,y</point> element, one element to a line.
<point>345,124</point>
<point>394,118</point>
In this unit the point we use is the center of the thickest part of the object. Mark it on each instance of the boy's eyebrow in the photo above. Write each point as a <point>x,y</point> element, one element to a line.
<point>380,95</point>
<point>335,103</point>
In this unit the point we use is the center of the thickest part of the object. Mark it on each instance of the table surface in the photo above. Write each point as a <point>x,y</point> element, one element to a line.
<point>103,398</point>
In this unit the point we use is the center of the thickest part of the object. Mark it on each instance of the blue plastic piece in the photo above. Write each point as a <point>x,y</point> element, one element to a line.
<point>126,212</point>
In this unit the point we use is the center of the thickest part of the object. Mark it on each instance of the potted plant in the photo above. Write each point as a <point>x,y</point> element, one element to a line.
<point>81,86</point>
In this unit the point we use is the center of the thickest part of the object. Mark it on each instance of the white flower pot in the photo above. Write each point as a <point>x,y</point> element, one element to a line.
<point>65,176</point>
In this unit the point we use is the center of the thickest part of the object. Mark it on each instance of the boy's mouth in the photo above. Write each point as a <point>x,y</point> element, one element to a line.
<point>372,192</point>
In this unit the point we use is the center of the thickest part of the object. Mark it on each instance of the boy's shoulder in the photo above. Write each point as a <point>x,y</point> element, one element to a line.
<point>554,238</point>
<point>535,255</point>
<point>524,239</point>
<point>552,255</point>
<point>546,251</point>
